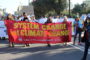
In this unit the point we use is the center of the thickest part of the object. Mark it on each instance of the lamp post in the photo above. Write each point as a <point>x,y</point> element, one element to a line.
<point>69,8</point>
<point>28,1</point>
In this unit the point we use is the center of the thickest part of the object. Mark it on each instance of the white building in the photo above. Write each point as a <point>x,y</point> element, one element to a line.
<point>29,10</point>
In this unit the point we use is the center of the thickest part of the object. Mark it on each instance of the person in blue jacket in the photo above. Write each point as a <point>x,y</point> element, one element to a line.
<point>78,30</point>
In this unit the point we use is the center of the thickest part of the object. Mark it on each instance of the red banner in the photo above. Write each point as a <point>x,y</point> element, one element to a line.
<point>29,32</point>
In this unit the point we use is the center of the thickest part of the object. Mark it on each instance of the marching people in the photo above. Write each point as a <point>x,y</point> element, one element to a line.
<point>10,17</point>
<point>65,20</point>
<point>25,18</point>
<point>32,17</point>
<point>42,20</point>
<point>78,30</point>
<point>56,19</point>
<point>49,20</point>
<point>87,36</point>
<point>60,19</point>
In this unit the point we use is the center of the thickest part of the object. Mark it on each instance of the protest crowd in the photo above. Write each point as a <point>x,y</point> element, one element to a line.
<point>80,26</point>
<point>77,22</point>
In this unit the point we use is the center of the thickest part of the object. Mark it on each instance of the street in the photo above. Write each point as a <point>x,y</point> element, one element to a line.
<point>41,52</point>
<point>35,24</point>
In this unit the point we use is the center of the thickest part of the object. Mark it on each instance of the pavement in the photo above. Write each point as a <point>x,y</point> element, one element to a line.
<point>41,52</point>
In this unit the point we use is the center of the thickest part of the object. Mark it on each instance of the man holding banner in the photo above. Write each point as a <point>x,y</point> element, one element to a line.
<point>49,20</point>
<point>25,18</point>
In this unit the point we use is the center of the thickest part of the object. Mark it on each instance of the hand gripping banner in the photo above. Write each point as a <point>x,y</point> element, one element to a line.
<point>29,32</point>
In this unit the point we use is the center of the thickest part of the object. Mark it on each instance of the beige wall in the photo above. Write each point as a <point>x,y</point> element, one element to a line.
<point>28,9</point>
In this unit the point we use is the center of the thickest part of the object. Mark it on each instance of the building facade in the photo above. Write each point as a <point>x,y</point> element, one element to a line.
<point>29,10</point>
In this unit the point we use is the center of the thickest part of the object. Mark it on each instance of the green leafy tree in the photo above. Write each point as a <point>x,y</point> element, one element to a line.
<point>42,7</point>
<point>88,11</point>
<point>83,5</point>
<point>77,9</point>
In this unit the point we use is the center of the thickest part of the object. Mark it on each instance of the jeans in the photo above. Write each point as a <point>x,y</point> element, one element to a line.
<point>87,44</point>
<point>77,32</point>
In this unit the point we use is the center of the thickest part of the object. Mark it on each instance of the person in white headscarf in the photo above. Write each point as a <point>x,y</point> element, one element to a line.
<point>65,19</point>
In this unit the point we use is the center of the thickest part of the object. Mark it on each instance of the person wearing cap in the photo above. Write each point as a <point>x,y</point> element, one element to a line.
<point>87,36</point>
<point>78,30</point>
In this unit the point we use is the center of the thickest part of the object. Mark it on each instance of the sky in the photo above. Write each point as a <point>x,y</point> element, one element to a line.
<point>77,1</point>
<point>12,5</point>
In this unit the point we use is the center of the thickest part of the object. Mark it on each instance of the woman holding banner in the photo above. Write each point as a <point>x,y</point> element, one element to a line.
<point>25,18</point>
<point>64,21</point>
<point>49,20</point>
<point>10,17</point>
